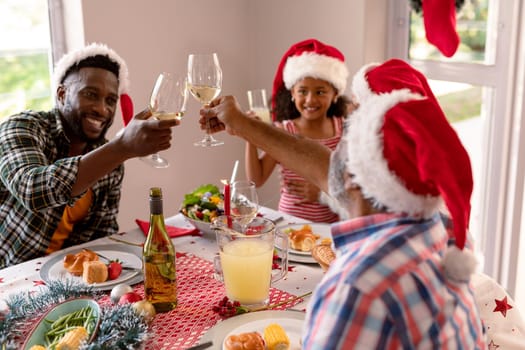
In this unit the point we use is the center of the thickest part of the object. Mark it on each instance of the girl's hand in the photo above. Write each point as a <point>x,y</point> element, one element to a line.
<point>307,191</point>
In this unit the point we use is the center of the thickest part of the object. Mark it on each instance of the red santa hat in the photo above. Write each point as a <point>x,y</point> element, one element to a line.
<point>310,58</point>
<point>439,17</point>
<point>73,58</point>
<point>405,155</point>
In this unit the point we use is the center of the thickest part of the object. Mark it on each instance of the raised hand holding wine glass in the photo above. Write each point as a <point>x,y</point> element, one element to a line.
<point>167,101</point>
<point>244,202</point>
<point>205,83</point>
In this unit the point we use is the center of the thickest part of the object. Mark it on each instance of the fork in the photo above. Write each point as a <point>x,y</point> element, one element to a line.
<point>123,267</point>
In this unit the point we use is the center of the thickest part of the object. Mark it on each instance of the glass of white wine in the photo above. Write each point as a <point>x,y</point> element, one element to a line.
<point>167,101</point>
<point>244,202</point>
<point>205,83</point>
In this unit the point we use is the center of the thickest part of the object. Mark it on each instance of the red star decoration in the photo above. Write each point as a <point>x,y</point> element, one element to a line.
<point>1,280</point>
<point>493,346</point>
<point>39,283</point>
<point>502,306</point>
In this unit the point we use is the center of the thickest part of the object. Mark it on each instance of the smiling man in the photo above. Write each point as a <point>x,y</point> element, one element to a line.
<point>60,177</point>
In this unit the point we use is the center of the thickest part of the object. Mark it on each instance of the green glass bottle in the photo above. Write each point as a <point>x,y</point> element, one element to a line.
<point>160,278</point>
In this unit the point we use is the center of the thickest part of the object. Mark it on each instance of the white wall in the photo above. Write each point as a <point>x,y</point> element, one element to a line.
<point>250,37</point>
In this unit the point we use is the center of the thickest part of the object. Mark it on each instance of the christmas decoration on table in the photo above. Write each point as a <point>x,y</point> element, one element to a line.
<point>439,18</point>
<point>121,326</point>
<point>228,308</point>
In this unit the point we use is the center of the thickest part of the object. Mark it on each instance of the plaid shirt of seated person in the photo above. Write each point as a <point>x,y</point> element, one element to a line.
<point>43,181</point>
<point>389,275</point>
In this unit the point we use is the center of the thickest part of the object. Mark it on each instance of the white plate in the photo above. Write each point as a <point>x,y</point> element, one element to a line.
<point>321,229</point>
<point>305,259</point>
<point>129,256</point>
<point>291,321</point>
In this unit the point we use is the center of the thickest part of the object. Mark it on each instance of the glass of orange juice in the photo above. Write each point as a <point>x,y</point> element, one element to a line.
<point>247,259</point>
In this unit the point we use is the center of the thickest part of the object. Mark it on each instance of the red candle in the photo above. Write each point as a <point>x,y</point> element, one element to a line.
<point>227,202</point>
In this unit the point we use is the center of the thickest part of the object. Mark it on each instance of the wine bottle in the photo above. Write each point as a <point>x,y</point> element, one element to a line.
<point>160,278</point>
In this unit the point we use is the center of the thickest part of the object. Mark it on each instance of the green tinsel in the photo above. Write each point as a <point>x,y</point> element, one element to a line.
<point>120,326</point>
<point>416,5</point>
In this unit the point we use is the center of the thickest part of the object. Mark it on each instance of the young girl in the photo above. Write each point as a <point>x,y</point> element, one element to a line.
<point>307,100</point>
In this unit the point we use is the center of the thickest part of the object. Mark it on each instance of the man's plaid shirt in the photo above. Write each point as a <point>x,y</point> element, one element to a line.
<point>36,180</point>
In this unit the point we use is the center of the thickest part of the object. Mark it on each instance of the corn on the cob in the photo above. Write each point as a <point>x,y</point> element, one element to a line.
<point>276,338</point>
<point>72,339</point>
<point>37,347</point>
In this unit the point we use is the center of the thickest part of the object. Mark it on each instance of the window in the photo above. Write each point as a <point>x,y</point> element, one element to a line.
<point>480,89</point>
<point>24,56</point>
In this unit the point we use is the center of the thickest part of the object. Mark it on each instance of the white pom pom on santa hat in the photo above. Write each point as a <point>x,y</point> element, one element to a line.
<point>459,264</point>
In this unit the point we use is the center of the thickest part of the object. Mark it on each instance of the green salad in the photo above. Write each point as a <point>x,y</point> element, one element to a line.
<point>205,203</point>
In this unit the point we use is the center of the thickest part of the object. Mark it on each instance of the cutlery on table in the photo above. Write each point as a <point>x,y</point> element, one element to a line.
<point>284,302</point>
<point>201,346</point>
<point>126,242</point>
<point>123,266</point>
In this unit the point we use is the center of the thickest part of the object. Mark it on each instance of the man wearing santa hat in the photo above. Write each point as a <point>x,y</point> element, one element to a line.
<point>401,276</point>
<point>60,178</point>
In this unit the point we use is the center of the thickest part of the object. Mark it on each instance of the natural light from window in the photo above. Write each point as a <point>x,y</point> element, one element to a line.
<point>24,56</point>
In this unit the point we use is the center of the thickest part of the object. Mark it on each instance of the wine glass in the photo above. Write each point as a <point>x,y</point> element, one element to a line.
<point>205,83</point>
<point>244,202</point>
<point>167,101</point>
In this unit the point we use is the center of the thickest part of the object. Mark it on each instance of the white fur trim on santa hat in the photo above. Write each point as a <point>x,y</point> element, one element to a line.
<point>368,165</point>
<point>360,88</point>
<point>311,64</point>
<point>94,49</point>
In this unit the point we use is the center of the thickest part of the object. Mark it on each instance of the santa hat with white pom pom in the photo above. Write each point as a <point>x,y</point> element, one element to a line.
<point>405,156</point>
<point>86,57</point>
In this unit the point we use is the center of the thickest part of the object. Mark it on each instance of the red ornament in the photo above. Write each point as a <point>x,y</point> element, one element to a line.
<point>502,306</point>
<point>129,297</point>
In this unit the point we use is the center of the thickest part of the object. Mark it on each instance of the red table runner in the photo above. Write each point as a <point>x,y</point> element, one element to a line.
<point>198,292</point>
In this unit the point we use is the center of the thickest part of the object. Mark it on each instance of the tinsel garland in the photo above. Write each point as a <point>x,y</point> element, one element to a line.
<point>416,5</point>
<point>120,327</point>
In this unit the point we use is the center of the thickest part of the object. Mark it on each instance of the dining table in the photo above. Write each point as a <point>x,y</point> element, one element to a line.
<point>193,320</point>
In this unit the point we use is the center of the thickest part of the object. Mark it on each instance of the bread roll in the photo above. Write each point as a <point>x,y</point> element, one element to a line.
<point>73,263</point>
<point>94,272</point>
<point>244,341</point>
<point>303,239</point>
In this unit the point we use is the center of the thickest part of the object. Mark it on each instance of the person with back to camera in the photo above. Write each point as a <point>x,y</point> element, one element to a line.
<point>401,276</point>
<point>60,178</point>
<point>307,100</point>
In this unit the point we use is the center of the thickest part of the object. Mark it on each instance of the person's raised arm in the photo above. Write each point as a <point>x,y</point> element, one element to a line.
<point>140,138</point>
<point>306,157</point>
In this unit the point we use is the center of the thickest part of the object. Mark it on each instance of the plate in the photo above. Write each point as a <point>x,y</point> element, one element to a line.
<point>291,321</point>
<point>130,257</point>
<point>37,335</point>
<point>320,229</point>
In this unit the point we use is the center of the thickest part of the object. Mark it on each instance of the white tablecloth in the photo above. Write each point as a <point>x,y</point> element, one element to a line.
<point>300,280</point>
